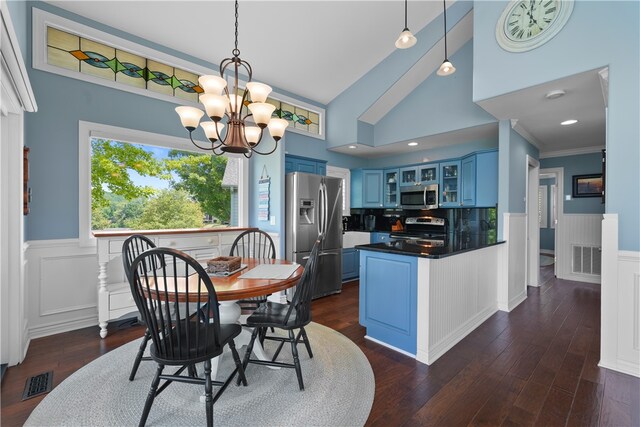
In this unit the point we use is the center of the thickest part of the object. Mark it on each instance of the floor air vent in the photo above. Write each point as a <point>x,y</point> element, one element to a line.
<point>586,260</point>
<point>38,384</point>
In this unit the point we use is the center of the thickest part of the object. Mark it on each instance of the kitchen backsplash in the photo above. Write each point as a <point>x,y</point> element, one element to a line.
<point>471,220</point>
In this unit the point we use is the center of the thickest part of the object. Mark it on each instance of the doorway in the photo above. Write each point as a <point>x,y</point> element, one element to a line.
<point>532,260</point>
<point>549,193</point>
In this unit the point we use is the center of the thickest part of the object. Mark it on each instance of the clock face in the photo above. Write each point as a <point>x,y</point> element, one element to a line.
<point>526,24</point>
<point>528,18</point>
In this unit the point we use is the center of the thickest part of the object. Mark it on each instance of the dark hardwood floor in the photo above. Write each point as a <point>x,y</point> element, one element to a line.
<point>534,366</point>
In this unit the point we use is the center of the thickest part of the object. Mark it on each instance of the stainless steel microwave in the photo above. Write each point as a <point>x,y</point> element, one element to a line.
<point>419,197</point>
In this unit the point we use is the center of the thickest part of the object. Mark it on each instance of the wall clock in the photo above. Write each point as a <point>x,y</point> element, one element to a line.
<point>527,24</point>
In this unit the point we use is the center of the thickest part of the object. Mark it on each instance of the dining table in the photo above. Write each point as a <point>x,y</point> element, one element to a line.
<point>231,288</point>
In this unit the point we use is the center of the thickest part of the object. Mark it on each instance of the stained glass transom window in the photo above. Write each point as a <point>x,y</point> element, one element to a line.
<point>298,117</point>
<point>86,56</point>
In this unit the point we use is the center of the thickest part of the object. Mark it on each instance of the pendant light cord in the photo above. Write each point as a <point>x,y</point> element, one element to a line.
<point>405,15</point>
<point>236,52</point>
<point>444,7</point>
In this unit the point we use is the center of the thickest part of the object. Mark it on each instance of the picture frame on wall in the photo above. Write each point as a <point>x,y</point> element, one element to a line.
<point>587,185</point>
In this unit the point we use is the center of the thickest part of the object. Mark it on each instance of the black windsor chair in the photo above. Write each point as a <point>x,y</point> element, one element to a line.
<point>131,249</point>
<point>289,317</point>
<point>253,244</point>
<point>193,333</point>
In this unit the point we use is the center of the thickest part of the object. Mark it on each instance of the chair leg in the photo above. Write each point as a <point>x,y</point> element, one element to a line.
<point>296,359</point>
<point>236,359</point>
<point>247,355</point>
<point>208,392</point>
<point>306,342</point>
<point>136,362</point>
<point>151,396</point>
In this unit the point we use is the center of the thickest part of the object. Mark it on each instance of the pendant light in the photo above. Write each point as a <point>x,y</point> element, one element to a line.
<point>447,68</point>
<point>406,38</point>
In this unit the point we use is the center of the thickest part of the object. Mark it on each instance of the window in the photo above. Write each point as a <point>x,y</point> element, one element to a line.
<point>345,174</point>
<point>543,213</point>
<point>138,180</point>
<point>70,49</point>
<point>553,209</point>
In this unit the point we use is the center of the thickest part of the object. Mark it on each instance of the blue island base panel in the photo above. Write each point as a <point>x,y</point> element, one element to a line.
<point>388,298</point>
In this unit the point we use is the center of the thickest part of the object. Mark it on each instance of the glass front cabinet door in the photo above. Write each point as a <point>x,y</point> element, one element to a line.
<point>390,179</point>
<point>409,176</point>
<point>450,184</point>
<point>428,174</point>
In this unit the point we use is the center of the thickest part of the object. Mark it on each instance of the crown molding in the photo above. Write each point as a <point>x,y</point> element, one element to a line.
<point>571,152</point>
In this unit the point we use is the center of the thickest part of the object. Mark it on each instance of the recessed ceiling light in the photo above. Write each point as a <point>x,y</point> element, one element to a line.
<point>412,144</point>
<point>569,122</point>
<point>352,146</point>
<point>553,94</point>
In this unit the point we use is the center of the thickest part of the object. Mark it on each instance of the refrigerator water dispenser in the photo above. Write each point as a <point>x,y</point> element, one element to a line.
<point>307,214</point>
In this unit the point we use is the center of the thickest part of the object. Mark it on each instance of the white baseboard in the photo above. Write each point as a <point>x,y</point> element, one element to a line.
<point>406,353</point>
<point>621,366</point>
<point>64,326</point>
<point>455,337</point>
<point>513,302</point>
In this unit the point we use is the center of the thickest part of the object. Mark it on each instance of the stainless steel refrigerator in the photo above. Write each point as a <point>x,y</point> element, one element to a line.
<point>314,206</point>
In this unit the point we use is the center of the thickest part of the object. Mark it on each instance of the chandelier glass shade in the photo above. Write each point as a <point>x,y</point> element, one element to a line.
<point>229,130</point>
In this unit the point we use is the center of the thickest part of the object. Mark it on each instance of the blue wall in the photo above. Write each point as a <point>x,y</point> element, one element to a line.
<point>18,13</point>
<point>52,132</point>
<point>578,48</point>
<point>577,165</point>
<point>548,234</point>
<point>438,105</point>
<point>343,112</point>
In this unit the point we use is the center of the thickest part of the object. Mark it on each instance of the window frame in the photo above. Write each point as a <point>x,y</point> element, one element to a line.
<point>88,130</point>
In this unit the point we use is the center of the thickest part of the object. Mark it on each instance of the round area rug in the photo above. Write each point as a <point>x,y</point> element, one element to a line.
<point>339,390</point>
<point>546,260</point>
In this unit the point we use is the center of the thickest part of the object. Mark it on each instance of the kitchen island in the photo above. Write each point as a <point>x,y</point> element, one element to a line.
<point>421,300</point>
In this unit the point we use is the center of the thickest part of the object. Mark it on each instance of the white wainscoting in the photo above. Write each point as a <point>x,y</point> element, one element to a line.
<point>62,283</point>
<point>455,295</point>
<point>581,230</point>
<point>512,285</point>
<point>620,320</point>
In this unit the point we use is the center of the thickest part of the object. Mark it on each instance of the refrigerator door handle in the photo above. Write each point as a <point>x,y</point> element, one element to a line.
<point>424,196</point>
<point>325,204</point>
<point>320,210</point>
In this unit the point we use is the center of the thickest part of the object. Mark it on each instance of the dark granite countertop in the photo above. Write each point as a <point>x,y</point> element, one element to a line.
<point>456,243</point>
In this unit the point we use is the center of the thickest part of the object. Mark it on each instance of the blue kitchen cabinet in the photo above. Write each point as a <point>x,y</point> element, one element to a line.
<point>487,179</point>
<point>350,264</point>
<point>468,178</point>
<point>428,174</point>
<point>377,237</point>
<point>450,184</point>
<point>388,298</point>
<point>409,176</point>
<point>366,188</point>
<point>304,164</point>
<point>391,190</point>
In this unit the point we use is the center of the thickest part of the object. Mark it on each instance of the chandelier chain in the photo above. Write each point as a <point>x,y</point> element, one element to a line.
<point>236,52</point>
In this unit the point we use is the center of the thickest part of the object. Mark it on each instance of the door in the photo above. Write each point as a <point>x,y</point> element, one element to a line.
<point>372,189</point>
<point>469,181</point>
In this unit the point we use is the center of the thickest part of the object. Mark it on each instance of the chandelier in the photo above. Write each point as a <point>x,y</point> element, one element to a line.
<point>222,103</point>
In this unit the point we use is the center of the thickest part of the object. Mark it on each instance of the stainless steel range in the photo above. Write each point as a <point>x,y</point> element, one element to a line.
<point>423,231</point>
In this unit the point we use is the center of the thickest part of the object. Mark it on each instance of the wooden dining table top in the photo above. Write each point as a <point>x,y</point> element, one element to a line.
<point>232,287</point>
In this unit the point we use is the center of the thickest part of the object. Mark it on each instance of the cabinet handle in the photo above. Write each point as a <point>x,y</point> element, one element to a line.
<point>209,241</point>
